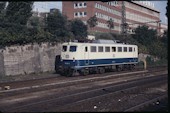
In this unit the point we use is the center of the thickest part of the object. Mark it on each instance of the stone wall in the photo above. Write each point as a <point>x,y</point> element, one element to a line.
<point>2,73</point>
<point>31,58</point>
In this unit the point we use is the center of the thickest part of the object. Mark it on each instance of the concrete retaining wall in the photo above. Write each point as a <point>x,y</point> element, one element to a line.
<point>2,73</point>
<point>31,58</point>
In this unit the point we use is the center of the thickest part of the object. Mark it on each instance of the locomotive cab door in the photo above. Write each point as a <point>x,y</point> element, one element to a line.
<point>86,55</point>
<point>134,53</point>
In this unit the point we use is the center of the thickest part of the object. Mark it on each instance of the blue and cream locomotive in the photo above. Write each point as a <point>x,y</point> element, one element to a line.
<point>96,57</point>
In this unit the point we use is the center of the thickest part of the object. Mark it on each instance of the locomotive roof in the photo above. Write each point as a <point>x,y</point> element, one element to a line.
<point>80,43</point>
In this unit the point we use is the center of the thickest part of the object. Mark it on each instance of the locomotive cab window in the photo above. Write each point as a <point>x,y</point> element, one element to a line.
<point>130,49</point>
<point>86,49</point>
<point>64,49</point>
<point>113,49</point>
<point>93,48</point>
<point>73,48</point>
<point>119,49</point>
<point>107,49</point>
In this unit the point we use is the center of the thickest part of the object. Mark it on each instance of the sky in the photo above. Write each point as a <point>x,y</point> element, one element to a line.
<point>46,6</point>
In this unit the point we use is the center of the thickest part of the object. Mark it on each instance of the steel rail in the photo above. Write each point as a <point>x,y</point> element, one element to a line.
<point>137,107</point>
<point>94,92</point>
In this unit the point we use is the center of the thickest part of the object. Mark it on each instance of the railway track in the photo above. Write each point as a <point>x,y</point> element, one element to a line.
<point>116,91</point>
<point>40,82</point>
<point>70,99</point>
<point>60,84</point>
<point>63,89</point>
<point>155,100</point>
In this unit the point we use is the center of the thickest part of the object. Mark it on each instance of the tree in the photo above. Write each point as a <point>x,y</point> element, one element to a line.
<point>158,49</point>
<point>79,29</point>
<point>148,41</point>
<point>19,12</point>
<point>34,21</point>
<point>144,35</point>
<point>110,24</point>
<point>57,25</point>
<point>92,21</point>
<point>2,10</point>
<point>2,6</point>
<point>13,29</point>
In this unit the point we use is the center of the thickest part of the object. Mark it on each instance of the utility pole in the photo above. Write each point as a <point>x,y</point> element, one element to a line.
<point>124,26</point>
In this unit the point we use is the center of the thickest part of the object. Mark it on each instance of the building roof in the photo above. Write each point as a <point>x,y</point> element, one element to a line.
<point>150,8</point>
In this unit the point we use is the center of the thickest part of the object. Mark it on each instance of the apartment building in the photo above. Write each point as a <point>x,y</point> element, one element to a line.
<point>142,13</point>
<point>163,27</point>
<point>137,13</point>
<point>103,12</point>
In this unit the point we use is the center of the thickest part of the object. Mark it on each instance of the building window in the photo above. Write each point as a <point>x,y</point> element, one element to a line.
<point>75,4</point>
<point>85,13</point>
<point>80,4</point>
<point>80,13</point>
<point>85,4</point>
<point>75,14</point>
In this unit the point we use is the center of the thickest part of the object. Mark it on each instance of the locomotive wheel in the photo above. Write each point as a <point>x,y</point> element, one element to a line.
<point>119,68</point>
<point>69,73</point>
<point>128,67</point>
<point>132,67</point>
<point>84,72</point>
<point>112,68</point>
<point>101,70</point>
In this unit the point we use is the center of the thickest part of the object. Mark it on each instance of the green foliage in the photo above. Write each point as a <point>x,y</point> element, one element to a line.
<point>19,12</point>
<point>144,35</point>
<point>34,21</point>
<point>157,48</point>
<point>164,38</point>
<point>110,24</point>
<point>150,43</point>
<point>92,21</point>
<point>79,29</point>
<point>13,29</point>
<point>146,39</point>
<point>18,26</point>
<point>2,6</point>
<point>2,11</point>
<point>57,25</point>
<point>159,62</point>
<point>104,36</point>
<point>149,61</point>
